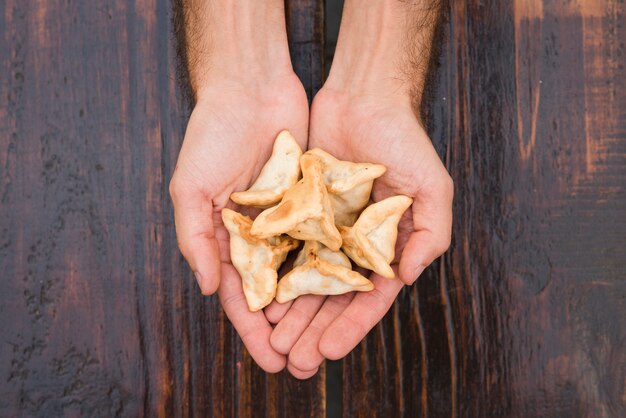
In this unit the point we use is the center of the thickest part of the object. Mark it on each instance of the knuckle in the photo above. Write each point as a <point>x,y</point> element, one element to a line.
<point>247,337</point>
<point>338,303</point>
<point>356,323</point>
<point>440,185</point>
<point>304,314</point>
<point>316,329</point>
<point>442,244</point>
<point>448,183</point>
<point>184,248</point>
<point>232,301</point>
<point>445,184</point>
<point>174,187</point>
<point>379,300</point>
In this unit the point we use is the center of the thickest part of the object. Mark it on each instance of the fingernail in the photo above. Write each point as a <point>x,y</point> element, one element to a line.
<point>418,271</point>
<point>198,277</point>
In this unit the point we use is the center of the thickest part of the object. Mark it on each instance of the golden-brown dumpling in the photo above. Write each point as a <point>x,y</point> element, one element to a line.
<point>370,243</point>
<point>280,172</point>
<point>320,271</point>
<point>304,212</point>
<point>256,259</point>
<point>349,185</point>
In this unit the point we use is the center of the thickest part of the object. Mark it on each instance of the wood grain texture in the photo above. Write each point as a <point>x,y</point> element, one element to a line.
<point>100,315</point>
<point>526,314</point>
<point>305,19</point>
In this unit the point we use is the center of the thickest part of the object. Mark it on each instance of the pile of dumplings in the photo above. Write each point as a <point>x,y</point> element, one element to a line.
<point>315,198</point>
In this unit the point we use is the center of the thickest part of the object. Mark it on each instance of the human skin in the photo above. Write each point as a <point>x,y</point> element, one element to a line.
<point>365,112</point>
<point>246,92</point>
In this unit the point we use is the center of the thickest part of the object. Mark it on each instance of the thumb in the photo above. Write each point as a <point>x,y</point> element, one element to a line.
<point>193,215</point>
<point>432,224</point>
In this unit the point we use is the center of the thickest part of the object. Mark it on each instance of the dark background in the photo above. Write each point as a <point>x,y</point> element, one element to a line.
<point>524,316</point>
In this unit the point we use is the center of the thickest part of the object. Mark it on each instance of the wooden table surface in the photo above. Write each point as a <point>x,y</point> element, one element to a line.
<point>525,316</point>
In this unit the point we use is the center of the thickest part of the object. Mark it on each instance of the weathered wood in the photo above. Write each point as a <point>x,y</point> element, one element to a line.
<point>305,19</point>
<point>100,314</point>
<point>526,314</point>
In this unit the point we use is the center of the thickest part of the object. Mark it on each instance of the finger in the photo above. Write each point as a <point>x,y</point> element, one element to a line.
<point>193,212</point>
<point>432,223</point>
<point>363,313</point>
<point>275,311</point>
<point>253,327</point>
<point>296,320</point>
<point>301,374</point>
<point>305,354</point>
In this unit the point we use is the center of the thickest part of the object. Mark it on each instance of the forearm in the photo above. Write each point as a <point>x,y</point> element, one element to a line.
<point>235,40</point>
<point>384,47</point>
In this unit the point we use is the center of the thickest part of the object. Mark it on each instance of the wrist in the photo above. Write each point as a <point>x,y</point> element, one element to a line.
<point>239,43</point>
<point>383,49</point>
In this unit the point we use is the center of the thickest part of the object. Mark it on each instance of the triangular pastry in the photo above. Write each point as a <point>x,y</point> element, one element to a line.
<point>256,259</point>
<point>304,212</point>
<point>320,271</point>
<point>280,172</point>
<point>349,185</point>
<point>370,243</point>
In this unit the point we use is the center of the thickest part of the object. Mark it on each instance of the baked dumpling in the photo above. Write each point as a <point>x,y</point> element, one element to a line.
<point>257,260</point>
<point>280,172</point>
<point>349,185</point>
<point>371,241</point>
<point>304,212</point>
<point>320,271</point>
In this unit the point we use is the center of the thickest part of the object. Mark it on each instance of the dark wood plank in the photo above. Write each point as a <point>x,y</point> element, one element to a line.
<point>305,19</point>
<point>523,317</point>
<point>526,314</point>
<point>100,314</point>
<point>289,397</point>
